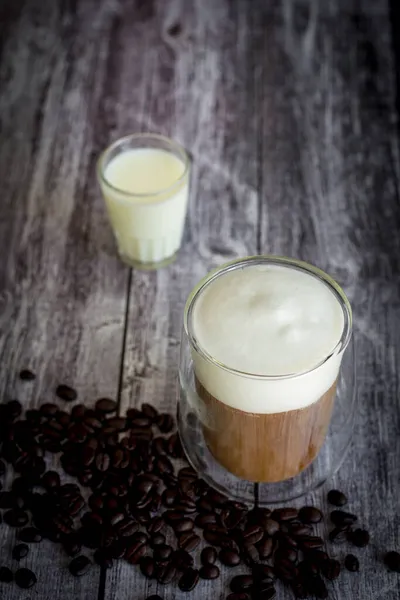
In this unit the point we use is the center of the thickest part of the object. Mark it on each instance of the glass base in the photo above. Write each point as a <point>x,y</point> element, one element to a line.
<point>147,266</point>
<point>326,463</point>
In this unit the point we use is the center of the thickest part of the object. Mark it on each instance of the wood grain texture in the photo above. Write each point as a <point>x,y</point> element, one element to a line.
<point>288,111</point>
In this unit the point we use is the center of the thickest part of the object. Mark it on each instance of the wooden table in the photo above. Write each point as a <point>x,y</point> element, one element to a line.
<point>289,112</point>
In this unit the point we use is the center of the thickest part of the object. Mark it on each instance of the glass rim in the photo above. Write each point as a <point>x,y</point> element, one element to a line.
<point>277,260</point>
<point>102,160</point>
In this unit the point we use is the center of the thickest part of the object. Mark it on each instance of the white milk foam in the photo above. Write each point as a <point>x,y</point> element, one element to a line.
<point>267,320</point>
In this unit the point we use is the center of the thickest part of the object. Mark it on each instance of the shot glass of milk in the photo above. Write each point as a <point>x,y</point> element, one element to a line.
<point>145,180</point>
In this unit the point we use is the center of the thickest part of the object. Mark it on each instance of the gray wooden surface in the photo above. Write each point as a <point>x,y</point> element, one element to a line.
<point>289,112</point>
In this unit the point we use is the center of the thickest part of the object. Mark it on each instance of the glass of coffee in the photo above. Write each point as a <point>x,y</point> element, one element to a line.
<point>267,389</point>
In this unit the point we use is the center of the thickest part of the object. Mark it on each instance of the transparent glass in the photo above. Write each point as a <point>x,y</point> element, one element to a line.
<point>145,183</point>
<point>286,454</point>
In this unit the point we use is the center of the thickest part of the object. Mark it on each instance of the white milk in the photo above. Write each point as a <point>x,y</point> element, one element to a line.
<point>267,320</point>
<point>146,197</point>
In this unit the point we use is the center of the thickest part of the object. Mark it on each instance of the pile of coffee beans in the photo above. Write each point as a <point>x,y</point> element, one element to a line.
<point>136,499</point>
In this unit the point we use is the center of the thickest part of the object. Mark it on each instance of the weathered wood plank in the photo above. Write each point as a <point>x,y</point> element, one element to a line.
<point>62,290</point>
<point>330,181</point>
<point>201,91</point>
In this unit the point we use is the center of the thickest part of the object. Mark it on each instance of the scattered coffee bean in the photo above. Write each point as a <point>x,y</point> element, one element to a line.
<point>241,583</point>
<point>189,580</point>
<point>79,565</point>
<point>338,536</point>
<point>337,498</point>
<point>230,558</point>
<point>358,537</point>
<point>162,552</point>
<point>66,393</point>
<point>392,560</point>
<point>188,541</point>
<point>286,570</point>
<point>351,563</point>
<point>6,575</point>
<point>265,547</point>
<point>157,539</point>
<point>330,569</point>
<point>20,551</point>
<point>284,514</point>
<point>183,525</point>
<point>209,572</point>
<point>253,534</point>
<point>105,406</point>
<point>25,578</point>
<point>208,555</point>
<point>340,518</point>
<point>310,514</point>
<point>31,535</point>
<point>16,518</point>
<point>27,375</point>
<point>310,542</point>
<point>147,566</point>
<point>263,573</point>
<point>271,527</point>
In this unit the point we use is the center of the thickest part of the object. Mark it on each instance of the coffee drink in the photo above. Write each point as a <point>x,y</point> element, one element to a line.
<point>267,342</point>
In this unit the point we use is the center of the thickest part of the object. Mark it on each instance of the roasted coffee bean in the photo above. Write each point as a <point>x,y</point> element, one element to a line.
<point>351,563</point>
<point>286,553</point>
<point>338,536</point>
<point>263,573</point>
<point>230,558</point>
<point>31,535</point>
<point>25,578</point>
<point>297,529</point>
<point>208,555</point>
<point>157,539</point>
<point>66,393</point>
<point>299,590</point>
<point>16,518</point>
<point>271,527</point>
<point>183,525</point>
<point>135,552</point>
<point>241,583</point>
<point>166,573</point>
<point>231,518</point>
<point>253,534</point>
<point>165,423</point>
<point>6,575</point>
<point>127,527</point>
<point>163,465</point>
<point>13,409</point>
<point>209,572</point>
<point>147,566</point>
<point>20,551</point>
<point>265,547</point>
<point>330,569</point>
<point>149,411</point>
<point>358,537</point>
<point>266,593</point>
<point>140,422</point>
<point>392,561</point>
<point>318,587</point>
<point>203,520</point>
<point>117,423</point>
<point>72,544</point>
<point>340,518</point>
<point>27,375</point>
<point>286,570</point>
<point>188,541</point>
<point>189,580</point>
<point>182,560</point>
<point>51,480</point>
<point>317,556</point>
<point>310,514</point>
<point>238,596</point>
<point>105,406</point>
<point>162,552</point>
<point>102,462</point>
<point>310,542</point>
<point>337,498</point>
<point>155,525</point>
<point>172,516</point>
<point>79,565</point>
<point>214,538</point>
<point>284,514</point>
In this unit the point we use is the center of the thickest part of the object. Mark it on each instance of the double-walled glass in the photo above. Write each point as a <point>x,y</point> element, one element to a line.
<point>287,453</point>
<point>145,183</point>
